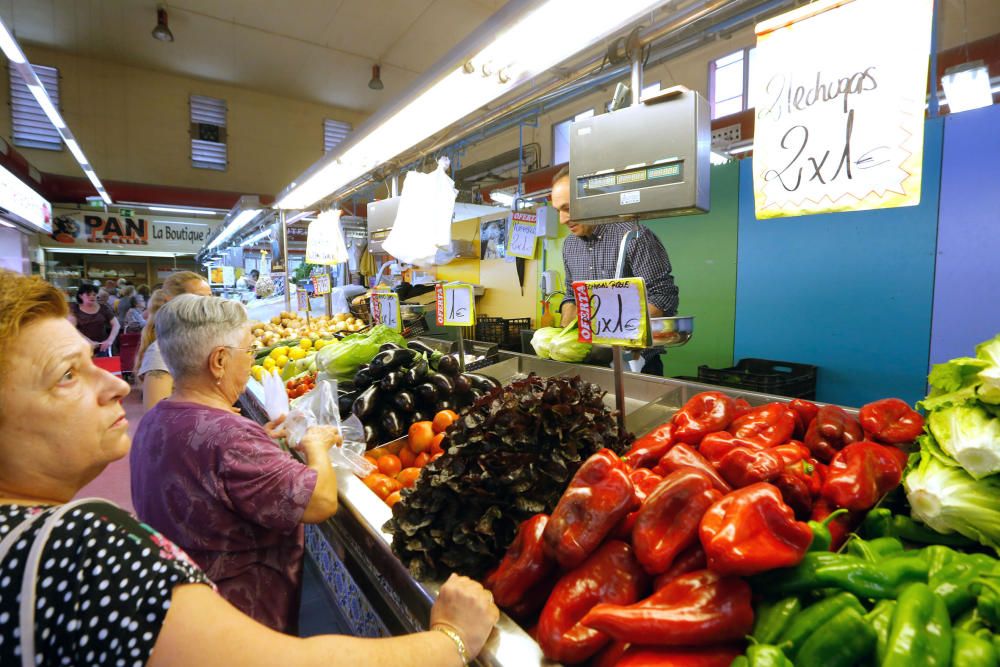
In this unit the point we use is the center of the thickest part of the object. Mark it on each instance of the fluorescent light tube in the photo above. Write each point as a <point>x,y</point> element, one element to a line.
<point>45,102</point>
<point>967,86</point>
<point>503,198</point>
<point>74,148</point>
<point>10,46</point>
<point>256,237</point>
<point>239,222</point>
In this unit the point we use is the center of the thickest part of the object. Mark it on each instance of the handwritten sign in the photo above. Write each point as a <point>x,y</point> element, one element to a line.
<point>839,90</point>
<point>385,310</point>
<point>613,312</point>
<point>302,297</point>
<point>522,235</point>
<point>456,305</point>
<point>321,284</point>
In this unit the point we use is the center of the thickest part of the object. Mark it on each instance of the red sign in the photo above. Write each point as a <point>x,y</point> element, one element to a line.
<point>439,293</point>
<point>583,311</point>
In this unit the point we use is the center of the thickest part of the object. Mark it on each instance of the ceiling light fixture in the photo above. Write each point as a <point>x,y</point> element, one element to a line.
<point>239,216</point>
<point>13,51</point>
<point>516,40</point>
<point>967,86</point>
<point>162,30</point>
<point>376,81</point>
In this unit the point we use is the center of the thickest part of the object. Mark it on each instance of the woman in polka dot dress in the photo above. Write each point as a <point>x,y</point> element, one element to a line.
<point>83,582</point>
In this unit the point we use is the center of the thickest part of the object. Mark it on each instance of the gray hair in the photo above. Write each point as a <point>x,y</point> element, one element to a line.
<point>189,327</point>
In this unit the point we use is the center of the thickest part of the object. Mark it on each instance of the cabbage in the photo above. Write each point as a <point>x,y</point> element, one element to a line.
<point>341,360</point>
<point>970,435</point>
<point>542,340</point>
<point>566,345</point>
<point>948,499</point>
<point>966,379</point>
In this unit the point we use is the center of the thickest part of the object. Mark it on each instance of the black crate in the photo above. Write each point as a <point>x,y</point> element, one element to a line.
<point>491,329</point>
<point>781,378</point>
<point>512,333</point>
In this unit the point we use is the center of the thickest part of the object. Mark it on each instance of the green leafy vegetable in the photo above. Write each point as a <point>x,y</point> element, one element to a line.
<point>966,379</point>
<point>342,360</point>
<point>541,341</point>
<point>970,435</point>
<point>566,345</point>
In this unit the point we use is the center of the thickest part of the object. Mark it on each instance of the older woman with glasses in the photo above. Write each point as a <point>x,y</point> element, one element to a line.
<point>216,483</point>
<point>83,582</point>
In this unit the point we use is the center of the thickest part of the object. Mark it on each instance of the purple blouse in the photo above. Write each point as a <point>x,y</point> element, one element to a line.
<point>214,483</point>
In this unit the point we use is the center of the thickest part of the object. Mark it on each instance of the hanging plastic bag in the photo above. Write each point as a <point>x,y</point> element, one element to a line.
<point>319,408</point>
<point>275,395</point>
<point>325,240</point>
<point>423,221</point>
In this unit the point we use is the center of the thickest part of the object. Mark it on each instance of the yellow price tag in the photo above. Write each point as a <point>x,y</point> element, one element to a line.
<point>613,312</point>
<point>522,235</point>
<point>456,305</point>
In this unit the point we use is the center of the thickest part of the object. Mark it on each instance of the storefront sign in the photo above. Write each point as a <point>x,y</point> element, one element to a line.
<point>840,89</point>
<point>522,235</point>
<point>101,231</point>
<point>612,312</point>
<point>385,310</point>
<point>456,305</point>
<point>321,284</point>
<point>19,202</point>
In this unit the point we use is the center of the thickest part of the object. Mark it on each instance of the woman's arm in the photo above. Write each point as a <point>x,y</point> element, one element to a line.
<point>315,445</point>
<point>156,386</point>
<point>115,328</point>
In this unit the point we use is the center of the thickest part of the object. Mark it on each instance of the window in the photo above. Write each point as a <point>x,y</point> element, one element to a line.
<point>729,83</point>
<point>560,137</point>
<point>334,132</point>
<point>208,133</point>
<point>31,127</point>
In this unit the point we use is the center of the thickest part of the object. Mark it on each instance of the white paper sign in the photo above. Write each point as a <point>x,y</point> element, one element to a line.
<point>522,236</point>
<point>385,309</point>
<point>456,305</point>
<point>839,91</point>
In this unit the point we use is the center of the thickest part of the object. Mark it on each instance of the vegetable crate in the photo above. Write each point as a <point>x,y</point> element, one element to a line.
<point>504,332</point>
<point>781,378</point>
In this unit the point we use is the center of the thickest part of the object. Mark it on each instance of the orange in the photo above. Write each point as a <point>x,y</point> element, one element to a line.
<point>421,460</point>
<point>420,435</point>
<point>406,457</point>
<point>443,420</point>
<point>408,477</point>
<point>390,465</point>
<point>393,498</point>
<point>436,444</point>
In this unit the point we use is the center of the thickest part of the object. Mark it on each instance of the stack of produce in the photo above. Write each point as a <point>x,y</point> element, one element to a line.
<point>290,360</point>
<point>560,344</point>
<point>652,549</point>
<point>509,456</point>
<point>290,325</point>
<point>343,359</point>
<point>955,485</point>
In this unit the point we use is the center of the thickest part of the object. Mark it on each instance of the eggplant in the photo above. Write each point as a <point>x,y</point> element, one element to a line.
<point>363,379</point>
<point>446,404</point>
<point>364,404</point>
<point>423,348</point>
<point>390,360</point>
<point>483,382</point>
<point>421,416</point>
<point>426,393</point>
<point>415,375</point>
<point>444,384</point>
<point>392,425</point>
<point>476,394</point>
<point>405,401</point>
<point>391,381</point>
<point>463,385</point>
<point>449,365</point>
<point>371,436</point>
<point>389,346</point>
<point>345,402</point>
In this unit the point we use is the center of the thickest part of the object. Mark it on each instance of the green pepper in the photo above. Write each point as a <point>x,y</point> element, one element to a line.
<point>813,618</point>
<point>767,655</point>
<point>882,522</point>
<point>970,622</point>
<point>996,643</point>
<point>921,630</point>
<point>822,539</point>
<point>843,641</point>
<point>771,618</point>
<point>972,651</point>
<point>880,620</point>
<point>939,557</point>
<point>740,661</point>
<point>819,570</point>
<point>954,582</point>
<point>987,592</point>
<point>876,549</point>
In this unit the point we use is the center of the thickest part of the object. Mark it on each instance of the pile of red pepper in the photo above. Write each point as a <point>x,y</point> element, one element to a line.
<point>642,561</point>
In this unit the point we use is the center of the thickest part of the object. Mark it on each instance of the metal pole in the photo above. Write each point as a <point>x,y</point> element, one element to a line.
<point>461,349</point>
<point>636,55</point>
<point>284,259</point>
<point>329,295</point>
<point>394,184</point>
<point>618,358</point>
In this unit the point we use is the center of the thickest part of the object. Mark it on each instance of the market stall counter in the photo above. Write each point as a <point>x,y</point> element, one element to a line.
<point>376,593</point>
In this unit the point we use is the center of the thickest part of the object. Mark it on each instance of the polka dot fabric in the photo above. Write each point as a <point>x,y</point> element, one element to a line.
<point>103,588</point>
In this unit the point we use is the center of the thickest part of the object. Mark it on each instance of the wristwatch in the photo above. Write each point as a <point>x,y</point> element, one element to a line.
<point>454,636</point>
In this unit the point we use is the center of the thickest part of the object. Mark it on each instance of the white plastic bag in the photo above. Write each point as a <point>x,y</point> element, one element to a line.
<point>423,221</point>
<point>319,407</point>
<point>275,395</point>
<point>325,240</point>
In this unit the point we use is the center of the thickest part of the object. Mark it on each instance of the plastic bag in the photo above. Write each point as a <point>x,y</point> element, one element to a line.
<point>423,222</point>
<point>275,395</point>
<point>338,302</point>
<point>325,240</point>
<point>319,407</point>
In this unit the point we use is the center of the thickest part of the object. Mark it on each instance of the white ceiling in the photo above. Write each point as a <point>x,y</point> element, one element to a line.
<point>316,50</point>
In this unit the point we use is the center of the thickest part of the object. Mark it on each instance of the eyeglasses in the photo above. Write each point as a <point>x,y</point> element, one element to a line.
<point>249,350</point>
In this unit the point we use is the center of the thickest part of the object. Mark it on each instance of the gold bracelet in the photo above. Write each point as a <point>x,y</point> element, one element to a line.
<point>454,636</point>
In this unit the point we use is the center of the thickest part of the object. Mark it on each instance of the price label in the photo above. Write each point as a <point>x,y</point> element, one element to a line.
<point>302,295</point>
<point>321,284</point>
<point>523,235</point>
<point>613,312</point>
<point>456,305</point>
<point>385,310</point>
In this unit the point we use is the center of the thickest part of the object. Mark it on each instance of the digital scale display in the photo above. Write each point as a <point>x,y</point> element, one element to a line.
<point>630,179</point>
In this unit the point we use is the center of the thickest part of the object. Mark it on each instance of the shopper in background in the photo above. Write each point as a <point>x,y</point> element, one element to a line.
<point>109,590</point>
<point>124,302</point>
<point>591,253</point>
<point>151,370</point>
<point>134,319</point>
<point>153,304</point>
<point>143,290</point>
<point>248,280</point>
<point>216,483</point>
<point>94,320</point>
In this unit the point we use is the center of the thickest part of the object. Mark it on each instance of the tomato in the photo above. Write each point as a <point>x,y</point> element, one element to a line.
<point>408,477</point>
<point>421,460</point>
<point>389,465</point>
<point>406,457</point>
<point>383,485</point>
<point>393,498</point>
<point>443,420</point>
<point>436,444</point>
<point>420,435</point>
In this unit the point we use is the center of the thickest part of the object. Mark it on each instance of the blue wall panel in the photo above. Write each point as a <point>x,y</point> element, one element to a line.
<point>849,292</point>
<point>967,278</point>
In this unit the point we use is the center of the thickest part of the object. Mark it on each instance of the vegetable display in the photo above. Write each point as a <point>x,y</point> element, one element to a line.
<point>509,457</point>
<point>560,344</point>
<point>342,360</point>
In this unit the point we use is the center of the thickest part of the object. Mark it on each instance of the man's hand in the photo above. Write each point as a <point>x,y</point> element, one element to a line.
<point>568,313</point>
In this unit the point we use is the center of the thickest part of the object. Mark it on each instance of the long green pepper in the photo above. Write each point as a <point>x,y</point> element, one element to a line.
<point>814,618</point>
<point>921,631</point>
<point>880,620</point>
<point>882,522</point>
<point>844,641</point>
<point>819,570</point>
<point>771,618</point>
<point>970,650</point>
<point>766,655</point>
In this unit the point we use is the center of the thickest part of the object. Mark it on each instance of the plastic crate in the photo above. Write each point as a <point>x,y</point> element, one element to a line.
<point>491,329</point>
<point>512,333</point>
<point>781,378</point>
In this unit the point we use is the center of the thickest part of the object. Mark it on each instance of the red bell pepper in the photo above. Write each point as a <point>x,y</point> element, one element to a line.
<point>689,560</point>
<point>680,656</point>
<point>650,448</point>
<point>769,425</point>
<point>682,456</point>
<point>597,498</point>
<point>610,656</point>
<point>891,421</point>
<point>752,530</point>
<point>795,492</point>
<point>524,566</point>
<point>716,445</point>
<point>832,430</point>
<point>695,609</point>
<point>668,520</point>
<point>861,473</point>
<point>704,413</point>
<point>805,412</point>
<point>740,407</point>
<point>743,467</point>
<point>611,574</point>
<point>792,452</point>
<point>645,482</point>
<point>841,526</point>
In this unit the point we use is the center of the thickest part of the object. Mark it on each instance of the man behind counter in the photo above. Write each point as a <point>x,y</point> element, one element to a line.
<point>591,253</point>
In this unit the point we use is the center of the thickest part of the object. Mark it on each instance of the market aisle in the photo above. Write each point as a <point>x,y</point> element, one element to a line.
<point>114,483</point>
